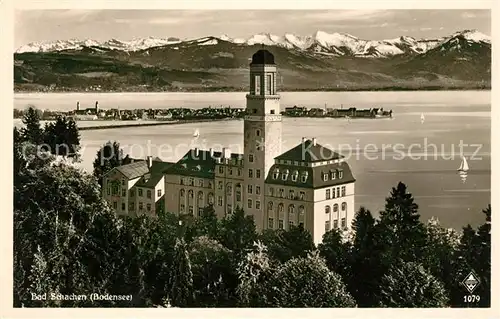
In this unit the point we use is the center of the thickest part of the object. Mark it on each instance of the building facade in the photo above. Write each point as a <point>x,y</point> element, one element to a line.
<point>308,185</point>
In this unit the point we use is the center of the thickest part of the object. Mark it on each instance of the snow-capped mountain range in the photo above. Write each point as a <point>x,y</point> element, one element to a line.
<point>335,44</point>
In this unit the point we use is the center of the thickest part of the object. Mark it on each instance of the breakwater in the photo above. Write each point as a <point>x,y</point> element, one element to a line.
<point>107,127</point>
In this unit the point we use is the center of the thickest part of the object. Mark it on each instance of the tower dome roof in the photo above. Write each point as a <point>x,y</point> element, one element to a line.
<point>262,57</point>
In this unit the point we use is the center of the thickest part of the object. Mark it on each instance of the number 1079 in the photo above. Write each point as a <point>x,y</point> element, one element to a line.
<point>471,298</point>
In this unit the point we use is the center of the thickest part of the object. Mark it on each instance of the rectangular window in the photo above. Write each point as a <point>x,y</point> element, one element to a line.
<point>338,191</point>
<point>269,84</point>
<point>250,158</point>
<point>183,207</point>
<point>257,190</point>
<point>115,205</point>
<point>343,223</point>
<point>220,185</point>
<point>148,194</point>
<point>109,189</point>
<point>335,223</point>
<point>302,195</point>
<point>257,173</point>
<point>200,183</point>
<point>290,224</point>
<point>333,192</point>
<point>257,85</point>
<point>327,226</point>
<point>140,192</point>
<point>124,192</point>
<point>123,182</point>
<point>291,194</point>
<point>343,190</point>
<point>229,208</point>
<point>219,200</point>
<point>250,189</point>
<point>148,207</point>
<point>182,181</point>
<point>158,192</point>
<point>221,170</point>
<point>140,206</point>
<point>270,222</point>
<point>132,193</point>
<point>191,181</point>
<point>230,171</point>
<point>257,204</point>
<point>249,203</point>
<point>191,210</point>
<point>282,193</point>
<point>131,206</point>
<point>280,224</point>
<point>123,206</point>
<point>250,173</point>
<point>239,171</point>
<point>200,211</point>
<point>271,191</point>
<point>327,194</point>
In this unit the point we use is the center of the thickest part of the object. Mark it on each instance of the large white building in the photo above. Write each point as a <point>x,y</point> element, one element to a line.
<point>308,185</point>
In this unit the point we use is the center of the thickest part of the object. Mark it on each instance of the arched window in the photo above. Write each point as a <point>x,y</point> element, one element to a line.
<point>304,176</point>
<point>291,209</point>
<point>284,176</point>
<point>200,195</point>
<point>238,192</point>
<point>257,132</point>
<point>211,198</point>
<point>341,174</point>
<point>335,208</point>
<point>182,192</point>
<point>190,193</point>
<point>344,206</point>
<point>270,206</point>
<point>327,209</point>
<point>276,173</point>
<point>295,176</point>
<point>281,208</point>
<point>301,215</point>
<point>229,189</point>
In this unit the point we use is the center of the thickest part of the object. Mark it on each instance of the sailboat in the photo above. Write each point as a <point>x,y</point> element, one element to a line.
<point>464,166</point>
<point>462,170</point>
<point>196,133</point>
<point>422,118</point>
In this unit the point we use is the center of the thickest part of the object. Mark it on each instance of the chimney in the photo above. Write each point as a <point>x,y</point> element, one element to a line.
<point>150,161</point>
<point>303,139</point>
<point>196,152</point>
<point>211,151</point>
<point>77,105</point>
<point>226,153</point>
<point>314,141</point>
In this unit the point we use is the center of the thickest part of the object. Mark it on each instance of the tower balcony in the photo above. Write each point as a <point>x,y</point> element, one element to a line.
<point>263,97</point>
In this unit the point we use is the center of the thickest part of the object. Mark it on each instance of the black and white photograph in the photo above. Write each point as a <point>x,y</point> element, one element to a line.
<point>252,158</point>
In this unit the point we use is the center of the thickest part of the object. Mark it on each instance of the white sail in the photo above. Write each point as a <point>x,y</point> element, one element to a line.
<point>464,166</point>
<point>196,133</point>
<point>422,117</point>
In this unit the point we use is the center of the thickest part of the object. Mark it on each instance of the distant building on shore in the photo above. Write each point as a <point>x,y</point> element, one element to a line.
<point>88,114</point>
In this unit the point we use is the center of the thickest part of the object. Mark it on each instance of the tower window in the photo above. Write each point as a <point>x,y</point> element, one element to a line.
<point>257,132</point>
<point>269,85</point>
<point>250,158</point>
<point>257,85</point>
<point>272,111</point>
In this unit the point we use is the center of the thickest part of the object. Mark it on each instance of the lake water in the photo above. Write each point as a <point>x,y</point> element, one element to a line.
<point>374,147</point>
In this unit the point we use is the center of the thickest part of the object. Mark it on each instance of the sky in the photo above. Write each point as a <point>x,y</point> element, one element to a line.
<point>101,25</point>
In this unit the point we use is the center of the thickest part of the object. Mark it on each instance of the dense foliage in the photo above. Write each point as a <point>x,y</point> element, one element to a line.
<point>68,241</point>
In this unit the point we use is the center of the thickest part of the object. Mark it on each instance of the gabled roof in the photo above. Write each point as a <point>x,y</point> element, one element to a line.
<point>309,151</point>
<point>133,170</point>
<point>154,175</point>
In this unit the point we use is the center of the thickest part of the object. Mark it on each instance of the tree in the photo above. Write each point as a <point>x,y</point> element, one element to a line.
<point>409,285</point>
<point>307,282</point>
<point>205,225</point>
<point>237,232</point>
<point>336,253</point>
<point>211,267</point>
<point>474,255</point>
<point>405,235</point>
<point>32,130</point>
<point>181,288</point>
<point>254,273</point>
<point>109,156</point>
<point>284,245</point>
<point>440,253</point>
<point>62,137</point>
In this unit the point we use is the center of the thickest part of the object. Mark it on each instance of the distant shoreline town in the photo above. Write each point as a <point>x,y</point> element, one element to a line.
<point>208,113</point>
